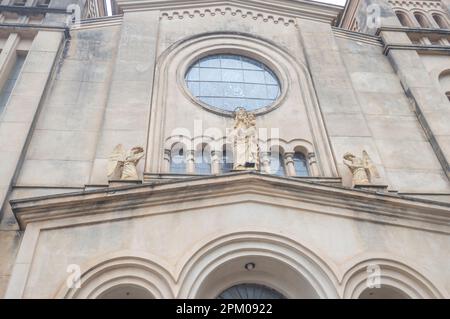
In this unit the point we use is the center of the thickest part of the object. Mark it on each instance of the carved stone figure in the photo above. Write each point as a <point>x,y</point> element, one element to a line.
<point>362,168</point>
<point>245,141</point>
<point>122,164</point>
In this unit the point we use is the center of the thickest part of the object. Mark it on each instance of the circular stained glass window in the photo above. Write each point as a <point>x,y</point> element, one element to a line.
<point>231,81</point>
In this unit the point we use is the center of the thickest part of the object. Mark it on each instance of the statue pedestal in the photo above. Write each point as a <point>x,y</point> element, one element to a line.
<point>118,183</point>
<point>372,187</point>
<point>244,170</point>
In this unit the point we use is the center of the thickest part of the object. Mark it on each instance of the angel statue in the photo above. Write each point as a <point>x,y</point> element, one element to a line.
<point>122,165</point>
<point>245,141</point>
<point>363,169</point>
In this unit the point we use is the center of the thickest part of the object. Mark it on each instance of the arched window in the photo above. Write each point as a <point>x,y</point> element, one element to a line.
<point>277,165</point>
<point>225,81</point>
<point>203,161</point>
<point>178,159</point>
<point>301,164</point>
<point>250,291</point>
<point>422,20</point>
<point>404,20</point>
<point>227,160</point>
<point>440,21</point>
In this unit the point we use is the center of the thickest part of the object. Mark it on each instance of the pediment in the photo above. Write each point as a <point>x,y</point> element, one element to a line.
<point>199,192</point>
<point>277,11</point>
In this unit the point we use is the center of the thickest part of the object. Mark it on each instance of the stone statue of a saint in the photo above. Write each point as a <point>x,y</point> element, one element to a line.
<point>245,141</point>
<point>122,164</point>
<point>362,168</point>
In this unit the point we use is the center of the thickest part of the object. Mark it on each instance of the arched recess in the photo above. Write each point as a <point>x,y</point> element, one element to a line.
<point>440,20</point>
<point>395,278</point>
<point>289,70</point>
<point>280,264</point>
<point>422,19</point>
<point>122,271</point>
<point>404,18</point>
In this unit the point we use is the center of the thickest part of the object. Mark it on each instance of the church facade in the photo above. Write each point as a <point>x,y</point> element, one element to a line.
<point>224,149</point>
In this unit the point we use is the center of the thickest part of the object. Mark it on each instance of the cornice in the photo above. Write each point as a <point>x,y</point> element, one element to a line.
<point>195,193</point>
<point>99,22</point>
<point>357,36</point>
<point>285,9</point>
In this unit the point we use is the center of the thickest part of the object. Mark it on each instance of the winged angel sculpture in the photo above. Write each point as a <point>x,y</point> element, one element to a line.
<point>362,168</point>
<point>122,164</point>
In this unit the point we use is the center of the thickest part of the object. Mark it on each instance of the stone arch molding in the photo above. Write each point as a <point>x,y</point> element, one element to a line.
<point>289,69</point>
<point>161,280</point>
<point>131,268</point>
<point>396,274</point>
<point>192,272</point>
<point>218,252</point>
<point>217,144</point>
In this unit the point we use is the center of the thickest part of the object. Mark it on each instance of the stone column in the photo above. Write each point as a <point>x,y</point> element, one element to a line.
<point>167,159</point>
<point>312,162</point>
<point>190,162</point>
<point>289,162</point>
<point>265,162</point>
<point>215,162</point>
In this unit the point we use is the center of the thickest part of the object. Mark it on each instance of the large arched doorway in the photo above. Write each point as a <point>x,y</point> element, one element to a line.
<point>126,292</point>
<point>384,292</point>
<point>273,265</point>
<point>263,272</point>
<point>250,291</point>
<point>257,274</point>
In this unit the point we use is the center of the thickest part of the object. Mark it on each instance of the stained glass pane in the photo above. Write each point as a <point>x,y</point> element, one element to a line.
<point>231,81</point>
<point>250,291</point>
<point>301,167</point>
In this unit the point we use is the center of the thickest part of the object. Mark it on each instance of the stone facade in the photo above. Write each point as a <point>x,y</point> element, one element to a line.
<point>345,87</point>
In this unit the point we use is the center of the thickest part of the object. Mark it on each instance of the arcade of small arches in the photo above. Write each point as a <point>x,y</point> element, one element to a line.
<point>422,19</point>
<point>188,157</point>
<point>248,266</point>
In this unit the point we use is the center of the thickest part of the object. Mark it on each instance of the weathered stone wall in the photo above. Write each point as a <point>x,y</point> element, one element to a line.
<point>102,94</point>
<point>406,155</point>
<point>62,143</point>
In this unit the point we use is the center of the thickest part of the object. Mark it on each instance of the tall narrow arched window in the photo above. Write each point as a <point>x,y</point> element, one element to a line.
<point>277,165</point>
<point>301,164</point>
<point>226,162</point>
<point>203,161</point>
<point>440,21</point>
<point>178,159</point>
<point>422,20</point>
<point>404,20</point>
